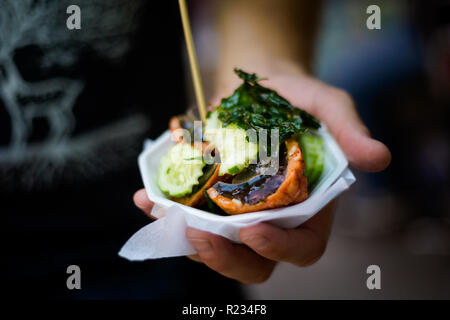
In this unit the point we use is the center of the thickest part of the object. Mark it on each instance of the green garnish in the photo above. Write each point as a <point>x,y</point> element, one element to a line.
<point>234,170</point>
<point>314,157</point>
<point>236,151</point>
<point>253,106</point>
<point>213,208</point>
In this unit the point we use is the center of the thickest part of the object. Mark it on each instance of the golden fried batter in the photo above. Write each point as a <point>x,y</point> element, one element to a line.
<point>294,188</point>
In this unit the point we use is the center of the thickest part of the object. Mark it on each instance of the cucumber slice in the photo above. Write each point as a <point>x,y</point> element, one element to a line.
<point>213,121</point>
<point>313,155</point>
<point>180,170</point>
<point>235,150</point>
<point>236,153</point>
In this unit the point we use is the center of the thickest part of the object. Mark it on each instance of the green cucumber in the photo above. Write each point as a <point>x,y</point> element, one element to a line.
<point>212,207</point>
<point>235,150</point>
<point>212,121</point>
<point>313,155</point>
<point>180,170</point>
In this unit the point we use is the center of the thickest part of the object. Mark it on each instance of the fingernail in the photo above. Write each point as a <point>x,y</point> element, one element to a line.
<point>257,242</point>
<point>201,245</point>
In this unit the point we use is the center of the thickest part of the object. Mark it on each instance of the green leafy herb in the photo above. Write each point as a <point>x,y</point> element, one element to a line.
<point>253,106</point>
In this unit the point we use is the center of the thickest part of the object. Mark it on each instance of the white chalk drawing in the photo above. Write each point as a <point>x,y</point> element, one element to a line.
<point>41,23</point>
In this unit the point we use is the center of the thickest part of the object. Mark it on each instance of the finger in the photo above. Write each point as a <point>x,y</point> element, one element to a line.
<point>231,260</point>
<point>337,110</point>
<point>299,246</point>
<point>141,201</point>
<point>302,246</point>
<point>195,257</point>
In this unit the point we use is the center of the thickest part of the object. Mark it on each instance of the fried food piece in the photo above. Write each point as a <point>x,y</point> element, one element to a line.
<point>174,125</point>
<point>289,186</point>
<point>182,122</point>
<point>198,198</point>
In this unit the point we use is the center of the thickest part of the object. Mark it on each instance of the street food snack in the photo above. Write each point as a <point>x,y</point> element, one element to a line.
<point>254,152</point>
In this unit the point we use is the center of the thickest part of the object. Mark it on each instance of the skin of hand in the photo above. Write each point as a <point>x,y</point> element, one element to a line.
<point>274,39</point>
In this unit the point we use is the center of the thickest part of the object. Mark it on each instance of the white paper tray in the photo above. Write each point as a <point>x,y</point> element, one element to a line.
<point>166,237</point>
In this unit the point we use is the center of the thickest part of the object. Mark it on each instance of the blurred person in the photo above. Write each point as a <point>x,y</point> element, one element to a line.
<point>275,39</point>
<point>75,107</point>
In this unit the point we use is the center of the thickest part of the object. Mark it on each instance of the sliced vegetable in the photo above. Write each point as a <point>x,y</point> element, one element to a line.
<point>212,121</point>
<point>313,155</point>
<point>180,170</point>
<point>197,197</point>
<point>235,148</point>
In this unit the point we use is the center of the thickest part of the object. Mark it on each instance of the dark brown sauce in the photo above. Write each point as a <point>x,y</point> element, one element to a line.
<point>258,188</point>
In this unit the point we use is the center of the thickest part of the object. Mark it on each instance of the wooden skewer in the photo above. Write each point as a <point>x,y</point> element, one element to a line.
<point>198,86</point>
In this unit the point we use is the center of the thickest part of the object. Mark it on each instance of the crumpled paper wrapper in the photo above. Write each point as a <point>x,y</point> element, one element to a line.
<point>166,237</point>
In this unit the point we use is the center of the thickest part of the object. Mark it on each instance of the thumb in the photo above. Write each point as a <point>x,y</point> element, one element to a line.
<point>337,110</point>
<point>141,201</point>
<point>363,152</point>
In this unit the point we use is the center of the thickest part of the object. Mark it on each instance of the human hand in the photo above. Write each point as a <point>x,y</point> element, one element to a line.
<point>264,244</point>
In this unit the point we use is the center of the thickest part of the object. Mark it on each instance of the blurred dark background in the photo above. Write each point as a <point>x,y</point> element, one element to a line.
<point>75,109</point>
